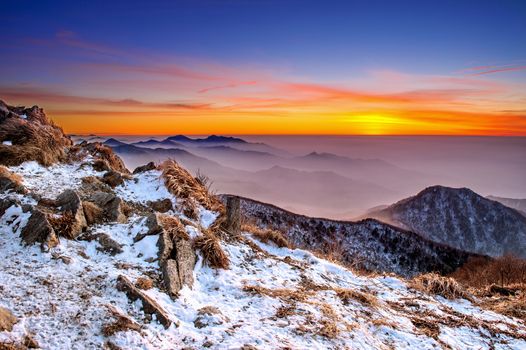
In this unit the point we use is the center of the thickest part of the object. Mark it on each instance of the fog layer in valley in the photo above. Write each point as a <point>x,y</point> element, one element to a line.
<point>336,176</point>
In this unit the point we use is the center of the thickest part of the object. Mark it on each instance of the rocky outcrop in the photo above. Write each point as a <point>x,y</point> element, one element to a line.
<point>177,259</point>
<point>69,202</point>
<point>113,178</point>
<point>28,134</point>
<point>111,205</point>
<point>149,305</point>
<point>7,320</point>
<point>104,157</point>
<point>161,205</point>
<point>144,168</point>
<point>9,181</point>
<point>39,230</point>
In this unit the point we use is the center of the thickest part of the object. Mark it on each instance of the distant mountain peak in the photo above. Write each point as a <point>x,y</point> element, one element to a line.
<point>209,139</point>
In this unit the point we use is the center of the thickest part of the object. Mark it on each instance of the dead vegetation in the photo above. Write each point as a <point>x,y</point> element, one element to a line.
<point>121,323</point>
<point>104,157</point>
<point>346,295</point>
<point>266,235</point>
<point>144,283</point>
<point>32,138</point>
<point>433,283</point>
<point>63,225</point>
<point>210,248</point>
<point>15,179</point>
<point>184,186</point>
<point>173,227</point>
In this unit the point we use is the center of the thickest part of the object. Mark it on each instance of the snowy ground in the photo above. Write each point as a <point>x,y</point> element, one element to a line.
<point>270,298</point>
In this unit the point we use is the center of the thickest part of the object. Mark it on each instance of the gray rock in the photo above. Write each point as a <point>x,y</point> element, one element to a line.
<point>152,223</point>
<point>161,205</point>
<point>113,178</point>
<point>149,305</point>
<point>38,229</point>
<point>110,204</point>
<point>6,203</point>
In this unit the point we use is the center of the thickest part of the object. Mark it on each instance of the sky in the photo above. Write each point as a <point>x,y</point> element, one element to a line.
<point>269,67</point>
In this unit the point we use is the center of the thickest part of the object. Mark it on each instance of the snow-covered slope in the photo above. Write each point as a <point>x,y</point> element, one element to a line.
<point>268,298</point>
<point>366,244</point>
<point>462,219</point>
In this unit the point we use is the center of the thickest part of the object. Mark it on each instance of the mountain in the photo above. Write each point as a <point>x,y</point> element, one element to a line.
<point>114,142</point>
<point>367,244</point>
<point>162,144</point>
<point>96,257</point>
<point>517,204</point>
<point>462,219</point>
<point>209,139</point>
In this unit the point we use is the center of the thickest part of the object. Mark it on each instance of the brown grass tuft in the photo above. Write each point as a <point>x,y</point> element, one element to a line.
<point>35,138</point>
<point>173,226</point>
<point>15,178</point>
<point>144,283</point>
<point>121,323</point>
<point>63,224</point>
<point>433,283</point>
<point>266,235</point>
<point>213,254</point>
<point>183,185</point>
<point>346,295</point>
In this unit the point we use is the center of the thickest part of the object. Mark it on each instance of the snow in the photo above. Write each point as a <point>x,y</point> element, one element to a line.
<point>7,143</point>
<point>144,187</point>
<point>50,181</point>
<point>66,305</point>
<point>23,116</point>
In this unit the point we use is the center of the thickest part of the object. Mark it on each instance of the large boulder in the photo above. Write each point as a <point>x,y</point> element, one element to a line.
<point>7,320</point>
<point>111,205</point>
<point>6,203</point>
<point>69,201</point>
<point>161,205</point>
<point>39,230</point>
<point>113,178</point>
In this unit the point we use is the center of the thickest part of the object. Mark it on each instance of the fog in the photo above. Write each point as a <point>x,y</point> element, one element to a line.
<point>346,175</point>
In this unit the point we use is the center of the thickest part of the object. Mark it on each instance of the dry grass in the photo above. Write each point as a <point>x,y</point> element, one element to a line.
<point>183,185</point>
<point>92,212</point>
<point>173,226</point>
<point>144,283</point>
<point>15,178</point>
<point>41,141</point>
<point>509,306</point>
<point>213,254</point>
<point>433,283</point>
<point>347,295</point>
<point>63,224</point>
<point>285,294</point>
<point>11,345</point>
<point>266,235</point>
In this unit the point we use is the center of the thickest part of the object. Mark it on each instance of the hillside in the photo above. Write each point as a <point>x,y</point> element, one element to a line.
<point>517,204</point>
<point>366,244</point>
<point>462,219</point>
<point>95,256</point>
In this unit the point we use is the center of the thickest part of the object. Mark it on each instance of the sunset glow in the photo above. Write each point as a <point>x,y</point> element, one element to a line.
<point>91,82</point>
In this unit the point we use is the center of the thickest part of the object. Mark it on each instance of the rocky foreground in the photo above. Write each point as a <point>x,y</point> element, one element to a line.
<point>94,256</point>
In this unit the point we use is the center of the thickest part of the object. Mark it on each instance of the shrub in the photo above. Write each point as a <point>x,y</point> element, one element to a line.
<point>433,283</point>
<point>210,248</point>
<point>266,235</point>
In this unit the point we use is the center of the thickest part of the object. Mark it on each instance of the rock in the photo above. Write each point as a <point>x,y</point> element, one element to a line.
<point>232,223</point>
<point>113,178</point>
<point>161,205</point>
<point>108,245</point>
<point>6,203</point>
<point>208,316</point>
<point>7,320</point>
<point>93,213</point>
<point>38,229</point>
<point>149,305</point>
<point>111,205</point>
<point>177,261</point>
<point>152,223</point>
<point>69,201</point>
<point>143,168</point>
<point>101,165</point>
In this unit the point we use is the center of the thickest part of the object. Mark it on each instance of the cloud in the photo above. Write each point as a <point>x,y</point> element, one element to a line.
<point>491,69</point>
